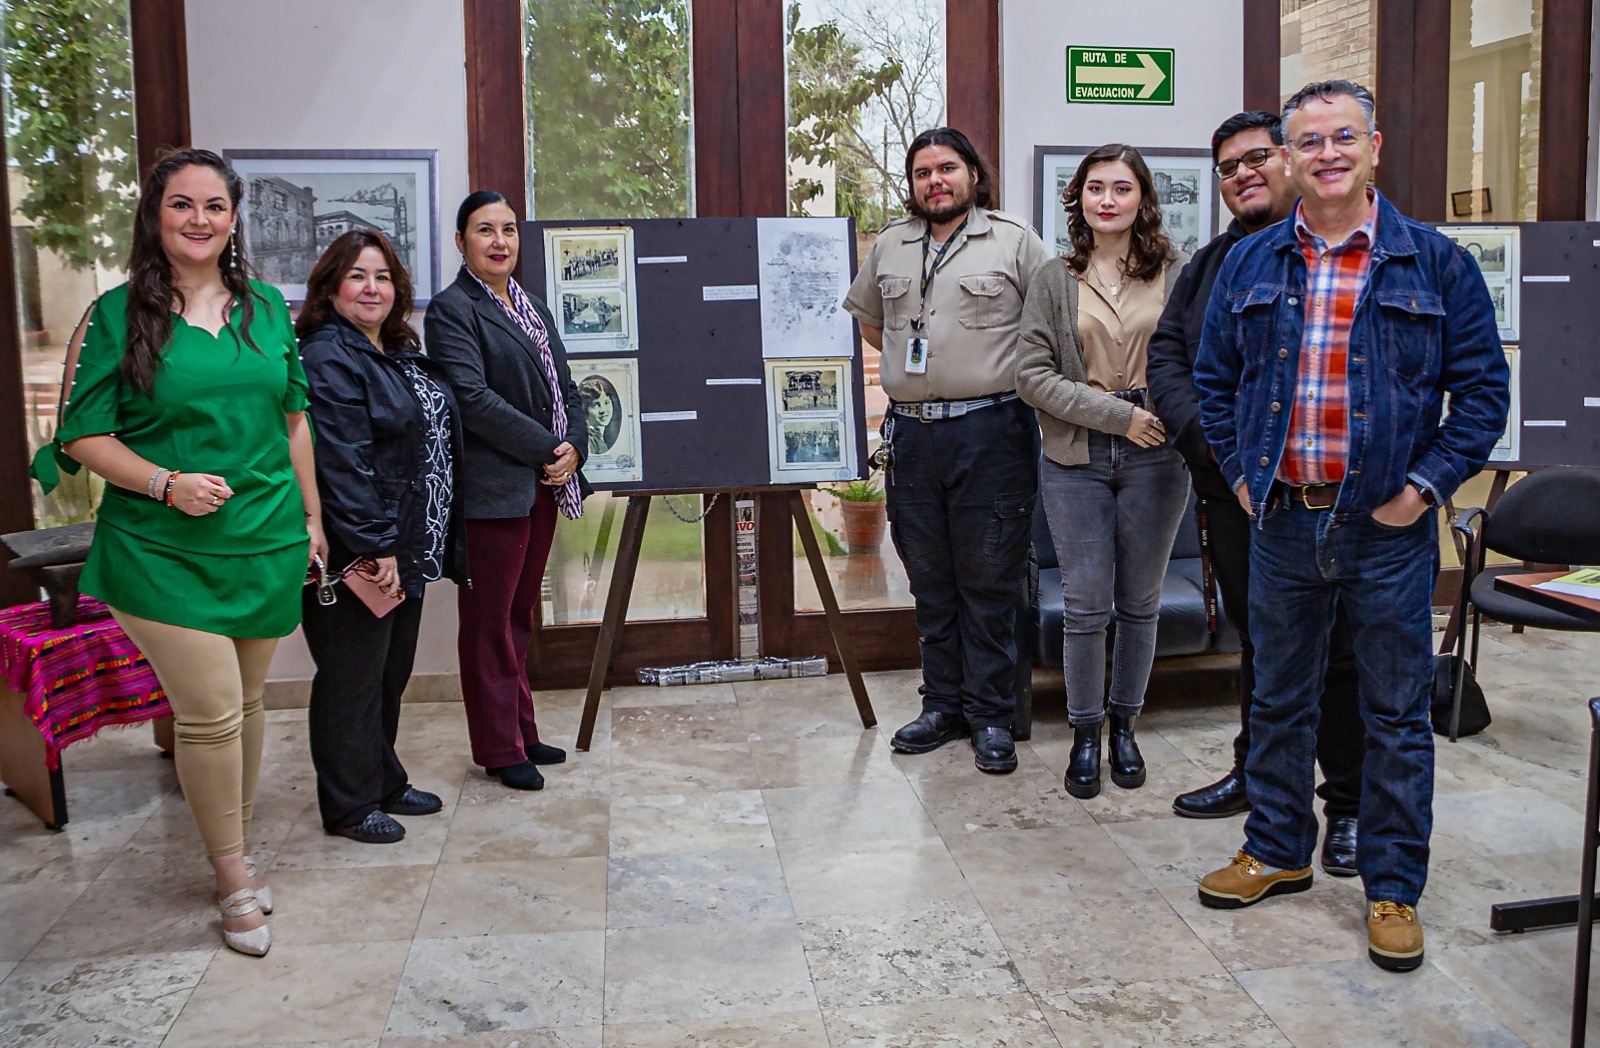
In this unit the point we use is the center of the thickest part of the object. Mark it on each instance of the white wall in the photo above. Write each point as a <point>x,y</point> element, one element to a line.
<point>1208,78</point>
<point>339,74</point>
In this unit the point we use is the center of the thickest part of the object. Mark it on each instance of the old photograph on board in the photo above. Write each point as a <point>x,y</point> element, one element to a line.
<point>809,390</point>
<point>811,443</point>
<point>1497,250</point>
<point>1184,181</point>
<point>805,273</point>
<point>590,288</point>
<point>1509,447</point>
<point>811,433</point>
<point>609,392</point>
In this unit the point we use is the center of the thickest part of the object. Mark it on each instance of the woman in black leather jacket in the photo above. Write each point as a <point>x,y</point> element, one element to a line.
<point>388,441</point>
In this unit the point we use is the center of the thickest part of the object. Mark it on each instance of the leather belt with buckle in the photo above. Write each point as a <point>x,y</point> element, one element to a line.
<point>1313,496</point>
<point>934,410</point>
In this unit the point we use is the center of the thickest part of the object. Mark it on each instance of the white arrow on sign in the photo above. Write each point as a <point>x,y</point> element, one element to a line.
<point>1148,77</point>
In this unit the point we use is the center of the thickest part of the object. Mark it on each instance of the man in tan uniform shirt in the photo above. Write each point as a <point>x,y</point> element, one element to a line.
<point>941,295</point>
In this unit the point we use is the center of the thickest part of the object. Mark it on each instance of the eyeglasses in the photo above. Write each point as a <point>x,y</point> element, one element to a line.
<point>1310,144</point>
<point>1255,158</point>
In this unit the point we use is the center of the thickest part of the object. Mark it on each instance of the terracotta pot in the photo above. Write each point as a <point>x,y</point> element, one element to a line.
<point>864,525</point>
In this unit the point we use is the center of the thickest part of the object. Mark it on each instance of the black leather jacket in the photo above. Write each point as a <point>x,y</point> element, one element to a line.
<point>371,453</point>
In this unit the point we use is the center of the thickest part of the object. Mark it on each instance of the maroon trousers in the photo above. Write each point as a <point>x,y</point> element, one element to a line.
<point>508,556</point>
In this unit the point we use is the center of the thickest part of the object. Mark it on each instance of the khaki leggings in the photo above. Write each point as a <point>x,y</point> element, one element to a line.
<point>214,686</point>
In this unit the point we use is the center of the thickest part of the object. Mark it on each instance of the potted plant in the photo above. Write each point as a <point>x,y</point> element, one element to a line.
<point>864,509</point>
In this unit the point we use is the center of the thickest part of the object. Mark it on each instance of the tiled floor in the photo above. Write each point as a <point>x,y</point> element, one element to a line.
<point>742,865</point>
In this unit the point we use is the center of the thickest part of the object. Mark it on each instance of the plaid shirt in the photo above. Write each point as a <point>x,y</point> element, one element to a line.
<point>1319,423</point>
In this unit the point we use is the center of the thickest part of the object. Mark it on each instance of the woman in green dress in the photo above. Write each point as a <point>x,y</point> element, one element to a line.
<point>185,393</point>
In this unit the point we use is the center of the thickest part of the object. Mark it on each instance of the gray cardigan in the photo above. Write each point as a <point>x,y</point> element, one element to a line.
<point>1051,374</point>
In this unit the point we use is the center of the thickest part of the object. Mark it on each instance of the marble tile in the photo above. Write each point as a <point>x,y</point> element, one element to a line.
<point>695,971</point>
<point>6,968</point>
<point>860,811</point>
<point>802,717</point>
<point>168,843</point>
<point>892,957</point>
<point>866,876</point>
<point>120,793</point>
<point>744,884</point>
<point>1368,1005</point>
<point>663,725</point>
<point>792,1030</point>
<point>1508,821</point>
<point>687,822</point>
<point>1176,1013</point>
<point>142,916</point>
<point>1023,800</point>
<point>1543,874</point>
<point>1009,1021</point>
<point>294,994</point>
<point>1525,981</point>
<point>310,847</point>
<point>564,1037</point>
<point>1153,800</point>
<point>583,774</point>
<point>517,897</point>
<point>1327,923</point>
<point>78,852</point>
<point>1178,852</point>
<point>1455,903</point>
<point>1044,865</point>
<point>374,904</point>
<point>27,911</point>
<point>836,761</point>
<point>1054,747</point>
<point>1088,940</point>
<point>517,825</point>
<point>678,695</point>
<point>681,767</point>
<point>500,982</point>
<point>79,1001</point>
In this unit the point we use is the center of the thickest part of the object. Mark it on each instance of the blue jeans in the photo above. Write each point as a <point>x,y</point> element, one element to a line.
<point>961,496</point>
<point>1382,577</point>
<point>1113,520</point>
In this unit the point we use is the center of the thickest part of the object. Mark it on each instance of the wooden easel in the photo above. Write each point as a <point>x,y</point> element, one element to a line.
<point>609,644</point>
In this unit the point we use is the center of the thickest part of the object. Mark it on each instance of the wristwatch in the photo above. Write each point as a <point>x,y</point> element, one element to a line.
<point>1426,493</point>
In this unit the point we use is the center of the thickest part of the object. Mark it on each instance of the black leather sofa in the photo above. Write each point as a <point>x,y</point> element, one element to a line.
<point>1183,628</point>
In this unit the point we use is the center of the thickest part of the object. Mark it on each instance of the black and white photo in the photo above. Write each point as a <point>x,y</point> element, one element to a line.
<point>609,392</point>
<point>811,419</point>
<point>809,443</point>
<point>1498,252</point>
<point>589,283</point>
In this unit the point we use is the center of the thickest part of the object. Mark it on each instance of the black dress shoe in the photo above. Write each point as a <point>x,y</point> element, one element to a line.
<point>1083,766</point>
<point>539,753</point>
<point>376,828</point>
<point>522,776</point>
<point>413,801</point>
<point>1227,796</point>
<point>1339,847</point>
<point>1127,763</point>
<point>996,753</point>
<point>928,732</point>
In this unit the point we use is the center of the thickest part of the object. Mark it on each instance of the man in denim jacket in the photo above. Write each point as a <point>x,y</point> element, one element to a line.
<point>1329,344</point>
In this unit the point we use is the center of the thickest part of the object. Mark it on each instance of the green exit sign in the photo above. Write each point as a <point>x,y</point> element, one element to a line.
<point>1135,76</point>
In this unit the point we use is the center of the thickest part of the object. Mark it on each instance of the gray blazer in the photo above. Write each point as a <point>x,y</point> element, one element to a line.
<point>499,383</point>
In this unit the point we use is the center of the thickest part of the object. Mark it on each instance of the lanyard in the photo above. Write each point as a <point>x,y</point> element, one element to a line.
<point>927,273</point>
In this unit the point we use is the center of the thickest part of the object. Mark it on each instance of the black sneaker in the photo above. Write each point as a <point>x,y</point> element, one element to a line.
<point>413,801</point>
<point>376,828</point>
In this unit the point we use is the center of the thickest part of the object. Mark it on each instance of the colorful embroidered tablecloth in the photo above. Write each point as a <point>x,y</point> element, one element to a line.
<point>77,680</point>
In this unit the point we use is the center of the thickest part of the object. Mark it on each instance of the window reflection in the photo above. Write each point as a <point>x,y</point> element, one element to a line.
<point>1493,144</point>
<point>1327,40</point>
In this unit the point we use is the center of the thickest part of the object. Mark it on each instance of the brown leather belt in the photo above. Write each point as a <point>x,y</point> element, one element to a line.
<point>1313,496</point>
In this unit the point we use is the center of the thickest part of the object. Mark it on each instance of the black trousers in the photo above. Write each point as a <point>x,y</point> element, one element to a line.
<point>961,499</point>
<point>1341,737</point>
<point>363,665</point>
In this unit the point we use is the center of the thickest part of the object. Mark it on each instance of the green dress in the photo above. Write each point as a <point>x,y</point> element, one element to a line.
<point>218,407</point>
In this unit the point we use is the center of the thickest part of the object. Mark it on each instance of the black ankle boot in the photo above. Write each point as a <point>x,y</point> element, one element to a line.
<point>1083,767</point>
<point>1127,763</point>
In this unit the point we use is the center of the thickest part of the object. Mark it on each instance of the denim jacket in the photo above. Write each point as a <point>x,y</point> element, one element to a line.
<point>1424,326</point>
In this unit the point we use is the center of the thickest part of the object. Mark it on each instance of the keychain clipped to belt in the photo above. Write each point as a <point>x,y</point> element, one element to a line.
<point>917,343</point>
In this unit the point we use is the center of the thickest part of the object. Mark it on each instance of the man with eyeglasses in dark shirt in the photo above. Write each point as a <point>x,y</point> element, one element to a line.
<point>1247,152</point>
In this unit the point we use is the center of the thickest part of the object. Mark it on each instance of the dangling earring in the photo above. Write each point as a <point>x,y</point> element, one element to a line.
<point>233,247</point>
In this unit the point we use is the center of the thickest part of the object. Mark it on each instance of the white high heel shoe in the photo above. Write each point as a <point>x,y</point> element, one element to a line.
<point>254,942</point>
<point>263,893</point>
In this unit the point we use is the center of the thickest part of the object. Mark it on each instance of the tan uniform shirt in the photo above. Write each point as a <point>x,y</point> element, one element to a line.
<point>1115,329</point>
<point>974,304</point>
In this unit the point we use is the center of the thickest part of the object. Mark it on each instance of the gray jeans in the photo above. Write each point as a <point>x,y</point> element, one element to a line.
<point>1113,521</point>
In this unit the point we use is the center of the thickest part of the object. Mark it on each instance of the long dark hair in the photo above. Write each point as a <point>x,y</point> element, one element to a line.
<point>151,295</point>
<point>982,190</point>
<point>330,271</point>
<point>1149,248</point>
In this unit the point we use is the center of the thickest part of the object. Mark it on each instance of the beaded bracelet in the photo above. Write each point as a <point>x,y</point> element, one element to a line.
<point>172,480</point>
<point>150,485</point>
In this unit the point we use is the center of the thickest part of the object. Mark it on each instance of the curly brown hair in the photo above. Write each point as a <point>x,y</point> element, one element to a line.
<point>335,264</point>
<point>1149,248</point>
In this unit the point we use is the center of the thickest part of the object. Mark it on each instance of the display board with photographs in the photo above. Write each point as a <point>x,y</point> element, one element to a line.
<point>590,290</point>
<point>1184,182</point>
<point>710,354</point>
<point>1497,250</point>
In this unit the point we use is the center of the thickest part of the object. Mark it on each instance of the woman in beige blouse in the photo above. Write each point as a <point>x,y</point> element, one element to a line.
<point>1114,490</point>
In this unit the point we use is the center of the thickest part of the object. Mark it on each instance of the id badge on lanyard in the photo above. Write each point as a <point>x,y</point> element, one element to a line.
<point>917,348</point>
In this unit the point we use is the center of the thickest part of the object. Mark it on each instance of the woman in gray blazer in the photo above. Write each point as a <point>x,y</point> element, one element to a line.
<point>525,440</point>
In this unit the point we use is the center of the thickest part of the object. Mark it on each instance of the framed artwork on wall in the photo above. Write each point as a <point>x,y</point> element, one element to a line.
<point>1184,181</point>
<point>298,201</point>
